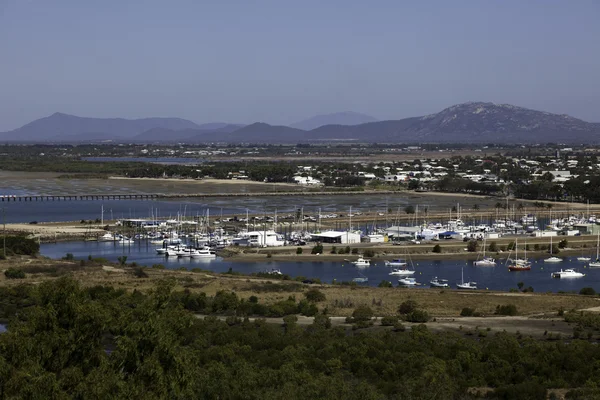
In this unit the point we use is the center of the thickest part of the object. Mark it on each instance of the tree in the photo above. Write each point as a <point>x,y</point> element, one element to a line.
<point>493,247</point>
<point>437,249</point>
<point>407,307</point>
<point>318,249</point>
<point>475,207</point>
<point>299,250</point>
<point>409,209</point>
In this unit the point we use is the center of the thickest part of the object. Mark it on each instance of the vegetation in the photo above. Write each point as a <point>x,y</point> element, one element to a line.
<point>318,249</point>
<point>506,309</point>
<point>67,341</point>
<point>14,273</point>
<point>437,248</point>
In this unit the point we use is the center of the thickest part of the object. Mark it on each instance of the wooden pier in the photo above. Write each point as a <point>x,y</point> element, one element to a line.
<point>158,196</point>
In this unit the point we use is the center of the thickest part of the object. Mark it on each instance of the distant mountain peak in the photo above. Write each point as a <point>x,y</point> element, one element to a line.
<point>338,118</point>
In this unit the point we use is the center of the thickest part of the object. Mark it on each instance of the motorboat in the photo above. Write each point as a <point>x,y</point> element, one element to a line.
<point>465,285</point>
<point>396,263</point>
<point>274,271</point>
<point>204,252</point>
<point>362,262</point>
<point>125,240</point>
<point>402,272</point>
<point>439,283</point>
<point>407,281</point>
<point>107,237</point>
<point>567,273</point>
<point>584,259</point>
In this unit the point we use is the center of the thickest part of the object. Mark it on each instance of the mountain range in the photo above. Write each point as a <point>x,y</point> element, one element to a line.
<point>463,123</point>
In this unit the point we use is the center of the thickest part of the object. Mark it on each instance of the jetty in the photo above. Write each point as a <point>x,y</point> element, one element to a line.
<point>155,196</point>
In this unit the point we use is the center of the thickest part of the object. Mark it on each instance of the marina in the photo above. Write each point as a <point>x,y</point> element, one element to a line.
<point>489,278</point>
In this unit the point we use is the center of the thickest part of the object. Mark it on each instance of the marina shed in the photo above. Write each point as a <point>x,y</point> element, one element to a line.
<point>336,237</point>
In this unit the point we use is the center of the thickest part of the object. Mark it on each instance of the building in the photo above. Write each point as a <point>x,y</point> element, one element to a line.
<point>259,239</point>
<point>336,237</point>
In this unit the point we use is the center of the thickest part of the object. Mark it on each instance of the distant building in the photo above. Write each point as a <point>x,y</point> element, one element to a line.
<point>336,237</point>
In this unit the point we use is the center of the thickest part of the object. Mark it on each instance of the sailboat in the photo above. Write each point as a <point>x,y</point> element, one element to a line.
<point>465,285</point>
<point>361,279</point>
<point>596,263</point>
<point>552,259</point>
<point>519,264</point>
<point>485,261</point>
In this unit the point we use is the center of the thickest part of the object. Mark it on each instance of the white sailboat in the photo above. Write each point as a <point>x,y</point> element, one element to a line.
<point>485,261</point>
<point>465,285</point>
<point>552,259</point>
<point>596,263</point>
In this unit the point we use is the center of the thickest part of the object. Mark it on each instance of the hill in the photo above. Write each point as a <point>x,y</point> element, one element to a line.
<point>60,126</point>
<point>473,122</point>
<point>340,118</point>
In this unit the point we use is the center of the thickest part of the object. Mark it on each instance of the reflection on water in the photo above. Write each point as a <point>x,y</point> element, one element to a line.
<point>492,278</point>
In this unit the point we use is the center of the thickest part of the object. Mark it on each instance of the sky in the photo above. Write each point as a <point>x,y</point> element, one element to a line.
<point>280,61</point>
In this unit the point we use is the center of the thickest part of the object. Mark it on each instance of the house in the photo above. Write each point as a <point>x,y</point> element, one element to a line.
<point>306,180</point>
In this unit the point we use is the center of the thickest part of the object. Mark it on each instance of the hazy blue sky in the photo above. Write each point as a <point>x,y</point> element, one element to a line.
<point>280,61</point>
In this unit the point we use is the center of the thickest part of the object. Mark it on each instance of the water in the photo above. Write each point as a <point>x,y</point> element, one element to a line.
<point>154,160</point>
<point>492,278</point>
<point>54,211</point>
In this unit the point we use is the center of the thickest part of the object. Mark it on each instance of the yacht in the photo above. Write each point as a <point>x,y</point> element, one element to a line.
<point>596,263</point>
<point>519,264</point>
<point>204,252</point>
<point>402,272</point>
<point>395,263</point>
<point>567,273</point>
<point>485,261</point>
<point>107,237</point>
<point>407,281</point>
<point>552,259</point>
<point>362,262</point>
<point>438,283</point>
<point>584,259</point>
<point>465,285</point>
<point>125,240</point>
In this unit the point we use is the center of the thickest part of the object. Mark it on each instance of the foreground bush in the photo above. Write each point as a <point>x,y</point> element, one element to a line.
<point>14,273</point>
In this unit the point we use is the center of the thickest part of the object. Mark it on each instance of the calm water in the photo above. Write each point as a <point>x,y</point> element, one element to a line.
<point>53,211</point>
<point>493,278</point>
<point>154,160</point>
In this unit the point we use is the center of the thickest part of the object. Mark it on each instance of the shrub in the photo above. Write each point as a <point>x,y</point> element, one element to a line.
<point>417,316</point>
<point>385,284</point>
<point>563,243</point>
<point>347,250</point>
<point>399,327</point>
<point>437,248</point>
<point>269,254</point>
<point>369,253</point>
<point>253,299</point>
<point>69,257</point>
<point>334,250</point>
<point>536,247</point>
<point>407,307</point>
<point>158,266</point>
<point>318,249</point>
<point>122,260</point>
<point>362,313</point>
<point>493,247</point>
<point>467,312</point>
<point>587,291</point>
<point>14,273</point>
<point>140,273</point>
<point>389,321</point>
<point>409,209</point>
<point>507,309</point>
<point>472,246</point>
<point>354,251</point>
<point>511,246</point>
<point>299,250</point>
<point>315,295</point>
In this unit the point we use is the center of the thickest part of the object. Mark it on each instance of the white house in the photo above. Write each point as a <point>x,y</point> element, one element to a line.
<point>306,180</point>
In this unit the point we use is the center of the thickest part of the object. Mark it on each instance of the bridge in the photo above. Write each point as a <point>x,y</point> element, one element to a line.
<point>158,196</point>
